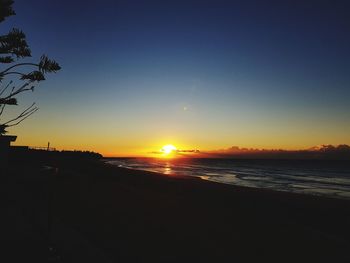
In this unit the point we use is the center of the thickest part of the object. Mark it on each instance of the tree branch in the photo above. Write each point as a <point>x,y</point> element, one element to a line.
<point>32,112</point>
<point>3,106</point>
<point>13,72</point>
<point>2,109</point>
<point>21,89</point>
<point>6,87</point>
<point>18,65</point>
<point>21,117</point>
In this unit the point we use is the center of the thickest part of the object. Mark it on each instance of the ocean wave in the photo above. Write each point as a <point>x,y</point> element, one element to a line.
<point>331,178</point>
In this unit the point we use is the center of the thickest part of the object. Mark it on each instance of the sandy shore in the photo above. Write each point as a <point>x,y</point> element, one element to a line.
<point>136,216</point>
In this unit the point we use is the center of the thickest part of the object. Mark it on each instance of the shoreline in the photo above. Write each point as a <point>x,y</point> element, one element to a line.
<point>235,187</point>
<point>306,191</point>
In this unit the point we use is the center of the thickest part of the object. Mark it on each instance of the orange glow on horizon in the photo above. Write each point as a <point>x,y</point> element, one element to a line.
<point>142,144</point>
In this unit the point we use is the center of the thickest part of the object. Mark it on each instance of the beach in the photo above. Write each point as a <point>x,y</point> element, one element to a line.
<point>108,214</point>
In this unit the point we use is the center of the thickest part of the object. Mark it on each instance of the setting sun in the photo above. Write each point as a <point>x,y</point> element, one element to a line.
<point>167,149</point>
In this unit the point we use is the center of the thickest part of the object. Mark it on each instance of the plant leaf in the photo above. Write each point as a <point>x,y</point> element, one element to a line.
<point>6,59</point>
<point>48,65</point>
<point>34,76</point>
<point>11,101</point>
<point>3,129</point>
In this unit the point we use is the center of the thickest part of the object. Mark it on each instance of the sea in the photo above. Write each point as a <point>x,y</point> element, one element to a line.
<point>317,177</point>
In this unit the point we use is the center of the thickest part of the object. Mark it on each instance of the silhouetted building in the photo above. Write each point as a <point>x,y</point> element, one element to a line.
<point>5,142</point>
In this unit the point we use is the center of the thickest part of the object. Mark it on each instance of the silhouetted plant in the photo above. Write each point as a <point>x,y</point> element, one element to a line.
<point>13,48</point>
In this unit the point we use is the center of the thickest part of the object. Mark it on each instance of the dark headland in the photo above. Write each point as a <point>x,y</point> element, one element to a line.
<point>88,211</point>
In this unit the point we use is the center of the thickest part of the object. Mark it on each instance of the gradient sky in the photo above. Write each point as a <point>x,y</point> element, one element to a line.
<point>197,74</point>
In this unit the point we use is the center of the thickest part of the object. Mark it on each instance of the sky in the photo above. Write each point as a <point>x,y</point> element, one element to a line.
<point>206,75</point>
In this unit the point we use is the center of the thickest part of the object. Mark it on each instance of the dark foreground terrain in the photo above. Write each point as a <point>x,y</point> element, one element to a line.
<point>87,211</point>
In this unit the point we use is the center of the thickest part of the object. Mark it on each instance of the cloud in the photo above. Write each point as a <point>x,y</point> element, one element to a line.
<point>339,152</point>
<point>177,151</point>
<point>318,152</point>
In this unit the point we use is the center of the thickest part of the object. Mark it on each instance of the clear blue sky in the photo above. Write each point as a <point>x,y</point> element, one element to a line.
<point>200,74</point>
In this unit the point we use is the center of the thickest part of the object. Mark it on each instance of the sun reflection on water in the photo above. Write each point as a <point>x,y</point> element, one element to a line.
<point>167,168</point>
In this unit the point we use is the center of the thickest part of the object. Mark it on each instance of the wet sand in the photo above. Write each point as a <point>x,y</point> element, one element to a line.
<point>135,216</point>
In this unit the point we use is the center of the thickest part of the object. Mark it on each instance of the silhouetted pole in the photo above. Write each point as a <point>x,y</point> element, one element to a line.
<point>48,146</point>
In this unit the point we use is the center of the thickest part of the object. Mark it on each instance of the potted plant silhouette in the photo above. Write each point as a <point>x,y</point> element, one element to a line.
<point>17,76</point>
